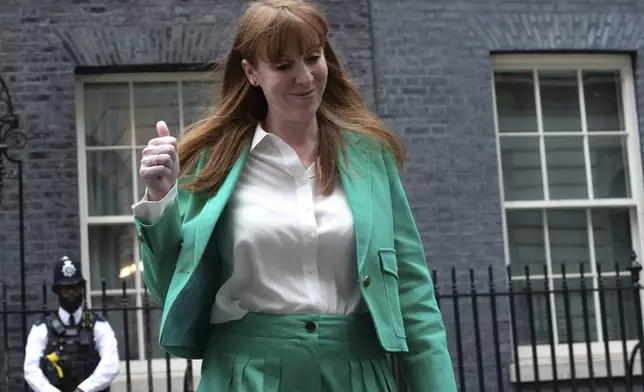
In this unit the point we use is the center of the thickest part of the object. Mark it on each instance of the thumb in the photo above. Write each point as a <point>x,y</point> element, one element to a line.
<point>162,129</point>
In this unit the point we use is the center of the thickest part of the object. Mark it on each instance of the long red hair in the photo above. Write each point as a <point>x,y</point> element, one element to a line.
<point>264,31</point>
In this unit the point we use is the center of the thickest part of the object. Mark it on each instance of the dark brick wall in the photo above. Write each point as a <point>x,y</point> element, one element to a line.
<point>430,81</point>
<point>433,86</point>
<point>41,44</point>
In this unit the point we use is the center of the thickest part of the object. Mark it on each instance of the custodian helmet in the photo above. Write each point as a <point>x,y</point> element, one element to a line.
<point>67,272</point>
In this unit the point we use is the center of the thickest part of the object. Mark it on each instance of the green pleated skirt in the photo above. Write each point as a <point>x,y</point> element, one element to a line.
<point>293,353</point>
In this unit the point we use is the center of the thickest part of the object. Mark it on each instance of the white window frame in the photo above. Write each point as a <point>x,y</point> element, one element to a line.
<point>623,63</point>
<point>138,368</point>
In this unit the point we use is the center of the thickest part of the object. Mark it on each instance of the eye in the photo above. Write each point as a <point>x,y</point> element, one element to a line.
<point>313,58</point>
<point>282,67</point>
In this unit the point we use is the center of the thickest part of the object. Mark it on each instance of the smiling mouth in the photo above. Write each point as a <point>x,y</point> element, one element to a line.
<point>305,94</point>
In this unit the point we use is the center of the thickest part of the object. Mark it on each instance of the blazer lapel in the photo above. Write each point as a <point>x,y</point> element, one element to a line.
<point>356,180</point>
<point>215,205</point>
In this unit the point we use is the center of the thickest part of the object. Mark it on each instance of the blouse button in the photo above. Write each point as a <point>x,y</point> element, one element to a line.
<point>310,327</point>
<point>367,281</point>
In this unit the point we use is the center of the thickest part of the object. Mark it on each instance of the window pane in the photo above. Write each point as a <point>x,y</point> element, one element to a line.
<point>526,241</point>
<point>522,300</point>
<point>609,166</point>
<point>109,182</point>
<point>559,101</point>
<point>197,100</point>
<point>612,237</point>
<point>573,314</point>
<point>115,314</point>
<point>140,187</point>
<point>521,165</point>
<point>154,102</point>
<point>603,99</point>
<point>515,101</point>
<point>566,167</point>
<point>111,249</point>
<point>568,235</point>
<point>107,114</point>
<point>618,296</point>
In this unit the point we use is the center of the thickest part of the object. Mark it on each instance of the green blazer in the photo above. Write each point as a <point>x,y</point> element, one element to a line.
<point>181,266</point>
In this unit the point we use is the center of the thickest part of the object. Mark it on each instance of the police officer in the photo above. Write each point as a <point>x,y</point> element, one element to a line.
<point>72,350</point>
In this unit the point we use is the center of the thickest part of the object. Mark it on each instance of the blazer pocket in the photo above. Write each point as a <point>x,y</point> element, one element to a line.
<point>389,268</point>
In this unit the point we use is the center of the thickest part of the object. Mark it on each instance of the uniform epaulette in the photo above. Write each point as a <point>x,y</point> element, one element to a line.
<point>42,320</point>
<point>53,323</point>
<point>99,317</point>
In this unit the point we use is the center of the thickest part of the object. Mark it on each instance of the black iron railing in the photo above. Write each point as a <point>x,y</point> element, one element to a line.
<point>536,331</point>
<point>12,138</point>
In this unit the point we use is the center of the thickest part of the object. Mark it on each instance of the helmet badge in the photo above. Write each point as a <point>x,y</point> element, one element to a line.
<point>68,268</point>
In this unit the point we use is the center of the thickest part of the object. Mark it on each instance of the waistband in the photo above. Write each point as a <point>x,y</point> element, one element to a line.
<point>260,334</point>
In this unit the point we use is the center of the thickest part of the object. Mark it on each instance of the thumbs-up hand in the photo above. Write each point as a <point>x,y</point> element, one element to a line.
<point>160,163</point>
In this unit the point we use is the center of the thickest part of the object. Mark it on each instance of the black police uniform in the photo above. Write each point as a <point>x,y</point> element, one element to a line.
<point>70,355</point>
<point>74,346</point>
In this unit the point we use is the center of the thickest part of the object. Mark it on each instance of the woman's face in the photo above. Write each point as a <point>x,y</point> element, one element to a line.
<point>294,85</point>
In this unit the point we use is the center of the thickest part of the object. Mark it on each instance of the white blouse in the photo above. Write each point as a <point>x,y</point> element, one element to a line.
<point>291,251</point>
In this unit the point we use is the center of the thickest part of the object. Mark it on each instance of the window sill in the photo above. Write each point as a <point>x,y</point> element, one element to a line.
<point>600,366</point>
<point>139,369</point>
<point>139,372</point>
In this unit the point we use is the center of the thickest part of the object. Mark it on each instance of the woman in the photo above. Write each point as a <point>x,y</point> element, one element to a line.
<point>279,239</point>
